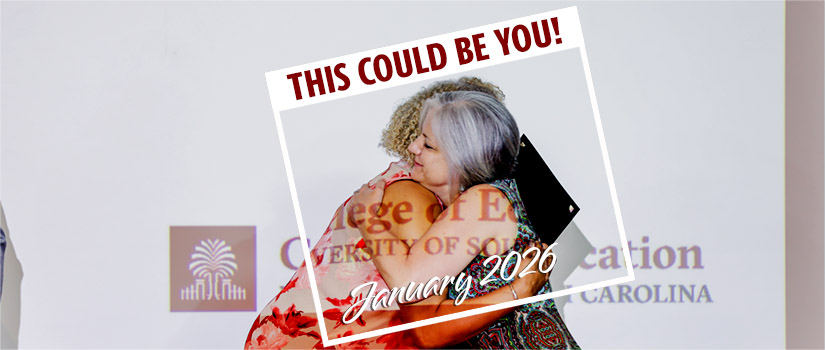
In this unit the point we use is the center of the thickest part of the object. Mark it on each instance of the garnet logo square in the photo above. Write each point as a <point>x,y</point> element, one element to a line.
<point>212,268</point>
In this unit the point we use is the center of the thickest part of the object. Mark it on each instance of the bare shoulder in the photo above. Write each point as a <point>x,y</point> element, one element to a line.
<point>480,213</point>
<point>487,205</point>
<point>483,188</point>
<point>480,195</point>
<point>409,191</point>
<point>414,208</point>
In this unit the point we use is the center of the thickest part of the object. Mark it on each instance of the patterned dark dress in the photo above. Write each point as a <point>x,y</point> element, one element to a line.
<point>537,325</point>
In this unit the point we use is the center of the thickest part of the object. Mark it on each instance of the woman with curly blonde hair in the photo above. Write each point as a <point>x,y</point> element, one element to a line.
<point>403,128</point>
<point>341,261</point>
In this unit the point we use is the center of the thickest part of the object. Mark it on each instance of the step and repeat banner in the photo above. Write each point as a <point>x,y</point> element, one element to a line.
<point>166,167</point>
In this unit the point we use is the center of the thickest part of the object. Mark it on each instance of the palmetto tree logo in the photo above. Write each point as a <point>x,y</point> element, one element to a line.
<point>212,264</point>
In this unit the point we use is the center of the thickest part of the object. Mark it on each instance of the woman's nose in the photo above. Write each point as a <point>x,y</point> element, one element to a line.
<point>414,148</point>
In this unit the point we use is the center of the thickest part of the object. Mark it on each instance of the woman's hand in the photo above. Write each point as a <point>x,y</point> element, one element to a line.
<point>365,202</point>
<point>533,280</point>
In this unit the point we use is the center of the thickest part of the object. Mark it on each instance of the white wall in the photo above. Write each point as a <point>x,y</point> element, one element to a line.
<point>119,120</point>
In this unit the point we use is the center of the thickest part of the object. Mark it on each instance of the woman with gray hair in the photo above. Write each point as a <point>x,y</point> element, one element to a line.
<point>465,156</point>
<point>478,136</point>
<point>290,319</point>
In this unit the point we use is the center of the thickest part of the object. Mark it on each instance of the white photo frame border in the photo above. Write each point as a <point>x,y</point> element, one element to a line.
<point>282,98</point>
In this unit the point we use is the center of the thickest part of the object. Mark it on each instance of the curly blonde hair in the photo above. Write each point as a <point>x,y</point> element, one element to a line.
<point>403,127</point>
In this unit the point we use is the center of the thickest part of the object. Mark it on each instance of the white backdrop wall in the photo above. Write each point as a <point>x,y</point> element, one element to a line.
<point>120,120</point>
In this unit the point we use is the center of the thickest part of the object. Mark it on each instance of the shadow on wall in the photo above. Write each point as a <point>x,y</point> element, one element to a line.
<point>11,276</point>
<point>574,246</point>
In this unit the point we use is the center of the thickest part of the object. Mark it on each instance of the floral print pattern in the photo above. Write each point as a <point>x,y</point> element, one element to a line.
<point>289,320</point>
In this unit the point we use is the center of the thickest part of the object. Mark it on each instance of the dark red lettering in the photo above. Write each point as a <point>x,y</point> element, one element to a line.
<point>403,69</point>
<point>480,56</point>
<point>431,48</point>
<point>387,66</point>
<point>417,58</point>
<point>295,84</point>
<point>344,78</point>
<point>312,83</point>
<point>504,40</point>
<point>525,33</point>
<point>462,47</point>
<point>362,73</point>
<point>328,75</point>
<point>537,34</point>
<point>555,22</point>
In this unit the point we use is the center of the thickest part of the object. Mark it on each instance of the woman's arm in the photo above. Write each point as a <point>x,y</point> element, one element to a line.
<point>478,219</point>
<point>455,331</point>
<point>410,209</point>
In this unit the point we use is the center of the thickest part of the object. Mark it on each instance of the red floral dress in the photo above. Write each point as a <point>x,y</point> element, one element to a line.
<point>289,320</point>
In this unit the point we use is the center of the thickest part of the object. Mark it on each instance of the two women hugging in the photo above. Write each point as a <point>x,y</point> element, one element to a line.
<point>448,205</point>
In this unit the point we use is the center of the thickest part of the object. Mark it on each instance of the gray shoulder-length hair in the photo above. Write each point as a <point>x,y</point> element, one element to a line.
<point>477,133</point>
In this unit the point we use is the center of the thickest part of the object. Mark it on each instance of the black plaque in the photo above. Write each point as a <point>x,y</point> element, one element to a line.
<point>549,207</point>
